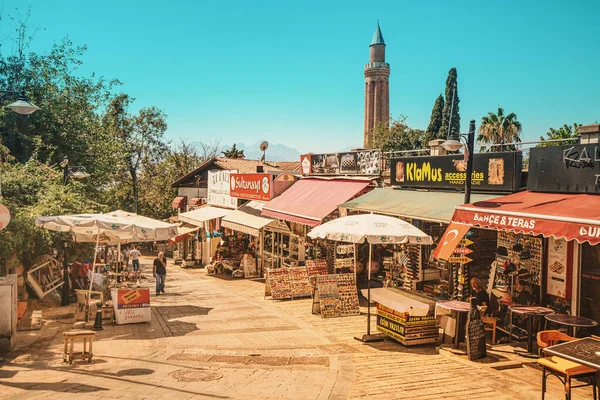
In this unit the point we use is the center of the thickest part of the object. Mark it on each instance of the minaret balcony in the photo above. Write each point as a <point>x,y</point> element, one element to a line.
<point>378,64</point>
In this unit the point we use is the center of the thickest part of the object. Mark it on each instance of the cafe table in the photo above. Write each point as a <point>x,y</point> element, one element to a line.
<point>571,321</point>
<point>529,312</point>
<point>461,308</point>
<point>583,351</point>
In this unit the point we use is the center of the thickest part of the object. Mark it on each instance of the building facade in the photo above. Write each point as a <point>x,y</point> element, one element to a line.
<point>377,90</point>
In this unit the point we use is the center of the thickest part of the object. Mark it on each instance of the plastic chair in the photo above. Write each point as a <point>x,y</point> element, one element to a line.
<point>563,369</point>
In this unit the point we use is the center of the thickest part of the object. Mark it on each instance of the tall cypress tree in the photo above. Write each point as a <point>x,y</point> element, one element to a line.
<point>451,91</point>
<point>435,123</point>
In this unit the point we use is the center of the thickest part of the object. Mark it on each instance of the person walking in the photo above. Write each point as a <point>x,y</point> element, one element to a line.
<point>159,270</point>
<point>126,257</point>
<point>134,254</point>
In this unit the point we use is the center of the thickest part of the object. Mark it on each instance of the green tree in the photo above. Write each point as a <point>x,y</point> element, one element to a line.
<point>399,136</point>
<point>141,143</point>
<point>450,114</point>
<point>435,123</point>
<point>233,152</point>
<point>563,132</point>
<point>499,129</point>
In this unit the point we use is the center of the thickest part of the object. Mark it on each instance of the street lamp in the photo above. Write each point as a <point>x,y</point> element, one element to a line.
<point>454,143</point>
<point>67,172</point>
<point>22,106</point>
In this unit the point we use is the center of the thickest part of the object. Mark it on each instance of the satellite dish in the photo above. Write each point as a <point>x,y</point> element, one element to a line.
<point>264,146</point>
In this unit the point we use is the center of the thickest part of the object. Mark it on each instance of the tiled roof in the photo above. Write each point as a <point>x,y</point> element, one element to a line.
<point>241,165</point>
<point>248,166</point>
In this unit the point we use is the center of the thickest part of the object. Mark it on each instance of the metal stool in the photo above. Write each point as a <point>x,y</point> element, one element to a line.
<point>70,337</point>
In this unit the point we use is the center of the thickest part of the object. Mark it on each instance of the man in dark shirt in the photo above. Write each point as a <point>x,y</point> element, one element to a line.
<point>482,299</point>
<point>159,271</point>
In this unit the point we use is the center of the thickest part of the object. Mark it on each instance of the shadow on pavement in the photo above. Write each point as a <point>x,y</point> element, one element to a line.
<point>54,387</point>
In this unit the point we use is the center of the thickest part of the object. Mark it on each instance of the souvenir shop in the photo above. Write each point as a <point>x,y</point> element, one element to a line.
<point>308,203</point>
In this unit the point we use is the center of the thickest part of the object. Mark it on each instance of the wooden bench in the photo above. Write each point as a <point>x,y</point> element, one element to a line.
<point>70,337</point>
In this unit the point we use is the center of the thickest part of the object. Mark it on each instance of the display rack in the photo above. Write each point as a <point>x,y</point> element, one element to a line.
<point>344,258</point>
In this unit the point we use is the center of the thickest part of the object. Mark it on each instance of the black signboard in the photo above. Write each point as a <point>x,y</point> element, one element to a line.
<point>565,169</point>
<point>492,172</point>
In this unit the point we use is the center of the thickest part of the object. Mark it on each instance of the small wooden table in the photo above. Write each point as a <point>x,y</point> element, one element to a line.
<point>460,307</point>
<point>70,337</point>
<point>529,312</point>
<point>571,321</point>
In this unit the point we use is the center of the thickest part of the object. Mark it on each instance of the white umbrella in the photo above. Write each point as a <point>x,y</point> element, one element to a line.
<point>118,226</point>
<point>375,229</point>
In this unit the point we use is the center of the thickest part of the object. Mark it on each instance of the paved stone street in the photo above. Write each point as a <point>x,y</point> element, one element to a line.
<point>212,338</point>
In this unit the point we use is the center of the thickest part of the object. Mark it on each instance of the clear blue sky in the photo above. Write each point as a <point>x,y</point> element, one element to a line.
<point>292,72</point>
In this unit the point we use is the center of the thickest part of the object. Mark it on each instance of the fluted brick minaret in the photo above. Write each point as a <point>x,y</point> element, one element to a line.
<point>377,90</point>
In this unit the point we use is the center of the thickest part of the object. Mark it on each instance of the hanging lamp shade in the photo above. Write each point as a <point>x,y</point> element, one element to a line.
<point>23,106</point>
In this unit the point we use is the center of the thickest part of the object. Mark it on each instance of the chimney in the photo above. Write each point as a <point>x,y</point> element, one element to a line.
<point>260,168</point>
<point>589,134</point>
<point>436,147</point>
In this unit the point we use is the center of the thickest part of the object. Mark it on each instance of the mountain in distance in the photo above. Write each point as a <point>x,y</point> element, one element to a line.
<point>275,152</point>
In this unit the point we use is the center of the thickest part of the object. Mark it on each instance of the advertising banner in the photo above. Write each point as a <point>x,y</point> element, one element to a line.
<point>251,186</point>
<point>131,306</point>
<point>558,279</point>
<point>219,189</point>
<point>499,172</point>
<point>565,169</point>
<point>361,162</point>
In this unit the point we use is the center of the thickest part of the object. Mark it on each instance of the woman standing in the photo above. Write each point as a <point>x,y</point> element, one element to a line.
<point>159,270</point>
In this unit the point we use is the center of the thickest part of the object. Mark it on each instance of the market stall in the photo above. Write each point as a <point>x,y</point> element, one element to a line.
<point>375,230</point>
<point>118,227</point>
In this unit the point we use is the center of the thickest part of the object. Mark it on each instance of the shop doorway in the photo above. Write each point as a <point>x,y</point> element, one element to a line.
<point>590,284</point>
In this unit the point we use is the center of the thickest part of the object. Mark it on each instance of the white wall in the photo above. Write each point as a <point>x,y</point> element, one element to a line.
<point>191,192</point>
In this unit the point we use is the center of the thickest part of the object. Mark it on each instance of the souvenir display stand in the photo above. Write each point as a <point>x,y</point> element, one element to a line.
<point>336,296</point>
<point>404,316</point>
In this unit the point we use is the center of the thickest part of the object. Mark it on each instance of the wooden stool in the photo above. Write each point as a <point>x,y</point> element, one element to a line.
<point>70,337</point>
<point>564,370</point>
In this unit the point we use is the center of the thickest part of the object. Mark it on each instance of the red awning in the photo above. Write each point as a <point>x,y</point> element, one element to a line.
<point>310,200</point>
<point>563,216</point>
<point>179,202</point>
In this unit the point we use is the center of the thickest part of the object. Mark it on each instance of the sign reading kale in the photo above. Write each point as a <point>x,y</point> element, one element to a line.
<point>491,172</point>
<point>565,169</point>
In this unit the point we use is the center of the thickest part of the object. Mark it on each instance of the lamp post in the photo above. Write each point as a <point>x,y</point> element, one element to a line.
<point>67,172</point>
<point>457,141</point>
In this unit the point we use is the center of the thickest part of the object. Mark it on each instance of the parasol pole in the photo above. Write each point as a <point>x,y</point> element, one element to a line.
<point>89,296</point>
<point>369,292</point>
<point>368,337</point>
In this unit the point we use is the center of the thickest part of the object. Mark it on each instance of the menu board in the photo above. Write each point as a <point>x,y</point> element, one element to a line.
<point>338,295</point>
<point>315,268</point>
<point>558,277</point>
<point>299,282</point>
<point>279,282</point>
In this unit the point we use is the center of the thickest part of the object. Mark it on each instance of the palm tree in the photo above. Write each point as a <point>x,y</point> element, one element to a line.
<point>499,129</point>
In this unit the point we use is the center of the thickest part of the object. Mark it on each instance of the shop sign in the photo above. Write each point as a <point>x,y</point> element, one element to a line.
<point>462,250</point>
<point>558,278</point>
<point>565,169</point>
<point>131,306</point>
<point>251,186</point>
<point>460,259</point>
<point>219,189</point>
<point>361,162</point>
<point>499,172</point>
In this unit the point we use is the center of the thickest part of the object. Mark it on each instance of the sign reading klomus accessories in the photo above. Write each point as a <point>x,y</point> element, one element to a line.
<point>251,186</point>
<point>565,169</point>
<point>362,162</point>
<point>491,172</point>
<point>219,193</point>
